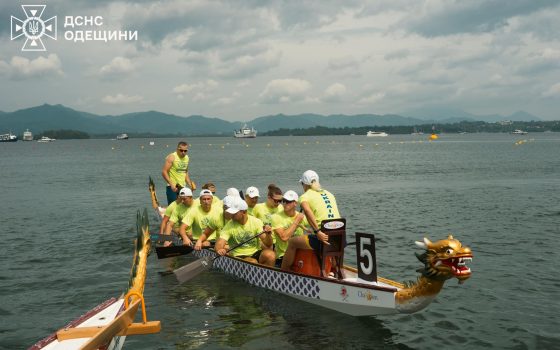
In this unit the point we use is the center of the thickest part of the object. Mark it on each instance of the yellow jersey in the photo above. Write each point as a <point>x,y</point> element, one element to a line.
<point>178,169</point>
<point>284,221</point>
<point>322,204</point>
<point>235,233</point>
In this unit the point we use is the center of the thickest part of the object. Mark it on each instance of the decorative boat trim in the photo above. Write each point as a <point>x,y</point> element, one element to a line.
<point>105,322</point>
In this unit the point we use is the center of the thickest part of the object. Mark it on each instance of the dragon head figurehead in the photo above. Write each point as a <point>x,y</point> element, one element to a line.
<point>442,260</point>
<point>445,259</point>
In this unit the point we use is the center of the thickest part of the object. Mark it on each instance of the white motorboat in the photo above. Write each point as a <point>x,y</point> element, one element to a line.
<point>27,135</point>
<point>376,134</point>
<point>46,139</point>
<point>9,137</point>
<point>519,132</point>
<point>245,132</point>
<point>122,137</point>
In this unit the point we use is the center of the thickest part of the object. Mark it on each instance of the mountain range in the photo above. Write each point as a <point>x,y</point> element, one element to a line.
<point>54,117</point>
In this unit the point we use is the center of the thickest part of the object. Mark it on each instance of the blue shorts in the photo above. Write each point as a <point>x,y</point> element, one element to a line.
<point>313,242</point>
<point>171,196</point>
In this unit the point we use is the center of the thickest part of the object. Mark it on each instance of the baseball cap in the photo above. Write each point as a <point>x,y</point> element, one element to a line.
<point>237,205</point>
<point>308,177</point>
<point>206,193</point>
<point>252,192</point>
<point>228,201</point>
<point>290,196</point>
<point>185,192</point>
<point>232,191</point>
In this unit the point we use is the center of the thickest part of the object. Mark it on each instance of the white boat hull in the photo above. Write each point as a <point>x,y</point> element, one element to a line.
<point>99,316</point>
<point>346,296</point>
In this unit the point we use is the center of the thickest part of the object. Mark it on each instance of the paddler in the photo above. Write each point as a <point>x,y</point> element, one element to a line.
<point>318,204</point>
<point>215,224</point>
<point>212,188</point>
<point>183,202</point>
<point>287,224</point>
<point>251,198</point>
<point>175,172</point>
<point>241,228</point>
<point>198,218</point>
<point>264,211</point>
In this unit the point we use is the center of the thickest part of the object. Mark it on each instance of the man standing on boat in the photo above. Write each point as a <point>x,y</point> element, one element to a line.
<point>175,171</point>
<point>318,204</point>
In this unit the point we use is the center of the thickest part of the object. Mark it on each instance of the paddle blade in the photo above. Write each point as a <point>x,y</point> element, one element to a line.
<point>187,272</point>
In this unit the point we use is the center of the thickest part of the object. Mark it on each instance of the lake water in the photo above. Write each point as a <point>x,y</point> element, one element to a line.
<point>68,213</point>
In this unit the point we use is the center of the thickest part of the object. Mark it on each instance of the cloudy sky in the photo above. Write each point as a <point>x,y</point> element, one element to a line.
<point>237,60</point>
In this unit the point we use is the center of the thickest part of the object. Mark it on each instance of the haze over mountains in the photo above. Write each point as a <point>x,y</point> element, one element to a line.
<point>53,117</point>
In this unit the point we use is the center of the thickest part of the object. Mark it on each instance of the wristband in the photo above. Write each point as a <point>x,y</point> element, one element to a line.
<point>316,231</point>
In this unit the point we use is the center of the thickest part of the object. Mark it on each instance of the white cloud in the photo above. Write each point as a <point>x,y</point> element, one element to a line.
<point>373,98</point>
<point>21,68</point>
<point>121,99</point>
<point>117,67</point>
<point>200,89</point>
<point>285,91</point>
<point>335,93</point>
<point>553,91</point>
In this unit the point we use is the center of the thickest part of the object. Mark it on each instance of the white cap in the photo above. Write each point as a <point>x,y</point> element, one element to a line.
<point>237,205</point>
<point>228,201</point>
<point>308,177</point>
<point>206,193</point>
<point>290,196</point>
<point>252,192</point>
<point>185,192</point>
<point>232,191</point>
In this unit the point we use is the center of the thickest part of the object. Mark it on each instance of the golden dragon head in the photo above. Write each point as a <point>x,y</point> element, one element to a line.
<point>445,259</point>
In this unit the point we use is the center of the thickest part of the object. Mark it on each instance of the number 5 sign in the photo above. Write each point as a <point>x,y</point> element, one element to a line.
<point>367,266</point>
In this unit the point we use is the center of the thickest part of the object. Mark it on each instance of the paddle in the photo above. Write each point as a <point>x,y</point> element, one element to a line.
<point>187,272</point>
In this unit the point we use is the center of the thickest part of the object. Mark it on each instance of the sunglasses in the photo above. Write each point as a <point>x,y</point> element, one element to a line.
<point>277,201</point>
<point>183,150</point>
<point>285,201</point>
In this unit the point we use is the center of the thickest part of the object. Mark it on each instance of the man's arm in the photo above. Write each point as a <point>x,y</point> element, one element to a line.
<point>203,237</point>
<point>163,226</point>
<point>189,182</point>
<point>313,223</point>
<point>183,234</point>
<point>286,233</point>
<point>266,237</point>
<point>165,171</point>
<point>220,246</point>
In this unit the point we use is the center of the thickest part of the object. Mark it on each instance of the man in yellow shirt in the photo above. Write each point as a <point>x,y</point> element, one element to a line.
<point>241,228</point>
<point>264,211</point>
<point>318,205</point>
<point>216,224</point>
<point>287,224</point>
<point>175,172</point>
<point>183,202</point>
<point>252,198</point>
<point>198,218</point>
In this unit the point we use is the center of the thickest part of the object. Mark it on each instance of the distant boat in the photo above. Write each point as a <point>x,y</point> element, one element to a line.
<point>376,134</point>
<point>519,132</point>
<point>46,139</point>
<point>9,137</point>
<point>122,137</point>
<point>27,135</point>
<point>245,132</point>
<point>416,132</point>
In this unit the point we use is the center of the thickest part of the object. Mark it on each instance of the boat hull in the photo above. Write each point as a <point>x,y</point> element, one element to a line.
<point>346,296</point>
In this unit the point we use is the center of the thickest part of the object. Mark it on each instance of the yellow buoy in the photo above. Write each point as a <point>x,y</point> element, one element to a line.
<point>433,137</point>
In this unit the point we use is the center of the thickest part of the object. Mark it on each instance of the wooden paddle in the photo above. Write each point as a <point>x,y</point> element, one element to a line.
<point>189,271</point>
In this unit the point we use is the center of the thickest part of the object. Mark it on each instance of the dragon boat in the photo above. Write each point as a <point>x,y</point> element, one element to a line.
<point>107,325</point>
<point>324,280</point>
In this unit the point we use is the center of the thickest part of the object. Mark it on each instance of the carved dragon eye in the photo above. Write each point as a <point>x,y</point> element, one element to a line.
<point>449,251</point>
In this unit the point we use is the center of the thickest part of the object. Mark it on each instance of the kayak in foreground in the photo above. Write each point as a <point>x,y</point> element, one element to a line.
<point>107,325</point>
